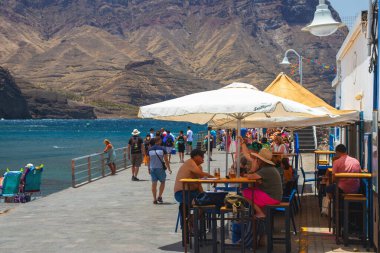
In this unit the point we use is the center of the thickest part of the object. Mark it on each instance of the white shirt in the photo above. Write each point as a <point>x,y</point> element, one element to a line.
<point>189,135</point>
<point>280,148</point>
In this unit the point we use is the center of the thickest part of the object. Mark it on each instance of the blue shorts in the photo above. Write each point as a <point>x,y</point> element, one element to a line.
<point>179,197</point>
<point>158,175</point>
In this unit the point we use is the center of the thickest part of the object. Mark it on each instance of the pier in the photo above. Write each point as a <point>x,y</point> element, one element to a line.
<point>115,214</point>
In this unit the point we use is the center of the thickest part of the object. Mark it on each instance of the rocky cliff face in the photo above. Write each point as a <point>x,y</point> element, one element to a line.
<point>44,104</point>
<point>119,54</point>
<point>12,104</point>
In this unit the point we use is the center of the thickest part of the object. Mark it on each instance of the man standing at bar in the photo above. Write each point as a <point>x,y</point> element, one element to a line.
<point>344,163</point>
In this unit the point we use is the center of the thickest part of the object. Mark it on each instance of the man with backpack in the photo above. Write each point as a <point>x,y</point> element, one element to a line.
<point>136,152</point>
<point>169,143</point>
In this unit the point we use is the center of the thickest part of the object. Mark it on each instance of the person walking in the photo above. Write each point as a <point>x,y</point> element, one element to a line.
<point>151,133</point>
<point>157,155</point>
<point>169,144</point>
<point>205,142</point>
<point>109,150</point>
<point>181,139</point>
<point>147,145</point>
<point>189,140</point>
<point>136,152</point>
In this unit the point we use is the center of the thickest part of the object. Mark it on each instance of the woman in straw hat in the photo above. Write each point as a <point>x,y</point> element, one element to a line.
<point>269,190</point>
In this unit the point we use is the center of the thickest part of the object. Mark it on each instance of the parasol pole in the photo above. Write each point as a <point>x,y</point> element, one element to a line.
<point>208,149</point>
<point>225,148</point>
<point>238,148</point>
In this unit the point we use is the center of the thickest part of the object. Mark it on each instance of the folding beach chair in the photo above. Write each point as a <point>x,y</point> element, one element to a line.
<point>31,180</point>
<point>11,185</point>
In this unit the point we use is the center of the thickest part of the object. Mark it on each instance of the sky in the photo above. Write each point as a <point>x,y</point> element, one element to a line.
<point>347,8</point>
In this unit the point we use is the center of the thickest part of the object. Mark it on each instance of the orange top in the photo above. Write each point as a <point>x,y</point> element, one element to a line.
<point>108,147</point>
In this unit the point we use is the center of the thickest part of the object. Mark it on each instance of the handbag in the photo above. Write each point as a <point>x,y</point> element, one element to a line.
<point>210,198</point>
<point>163,163</point>
<point>236,202</point>
<point>325,206</point>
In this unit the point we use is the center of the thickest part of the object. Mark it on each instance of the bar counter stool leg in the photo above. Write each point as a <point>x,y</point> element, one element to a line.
<point>287,229</point>
<point>196,230</point>
<point>214,234</point>
<point>222,231</point>
<point>269,230</point>
<point>345,225</point>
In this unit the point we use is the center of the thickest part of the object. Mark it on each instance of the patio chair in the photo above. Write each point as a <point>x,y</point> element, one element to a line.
<point>31,180</point>
<point>305,180</point>
<point>11,185</point>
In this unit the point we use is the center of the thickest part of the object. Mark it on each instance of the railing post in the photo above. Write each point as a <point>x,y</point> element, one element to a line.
<point>103,165</point>
<point>125,157</point>
<point>73,173</point>
<point>89,168</point>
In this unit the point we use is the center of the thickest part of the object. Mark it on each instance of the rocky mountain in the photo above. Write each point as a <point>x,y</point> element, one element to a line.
<point>115,55</point>
<point>12,104</point>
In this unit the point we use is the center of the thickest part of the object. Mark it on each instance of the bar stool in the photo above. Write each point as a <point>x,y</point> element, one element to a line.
<point>243,216</point>
<point>269,226</point>
<point>348,200</point>
<point>200,228</point>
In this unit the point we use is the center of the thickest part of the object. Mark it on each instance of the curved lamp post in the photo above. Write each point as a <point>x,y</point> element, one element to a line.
<point>285,61</point>
<point>323,23</point>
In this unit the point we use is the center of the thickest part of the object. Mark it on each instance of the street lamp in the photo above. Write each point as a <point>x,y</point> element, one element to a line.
<point>323,23</point>
<point>285,61</point>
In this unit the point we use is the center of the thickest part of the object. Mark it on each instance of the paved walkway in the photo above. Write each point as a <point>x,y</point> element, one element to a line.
<point>115,214</point>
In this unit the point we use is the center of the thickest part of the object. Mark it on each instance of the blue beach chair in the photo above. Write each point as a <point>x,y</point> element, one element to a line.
<point>11,185</point>
<point>31,181</point>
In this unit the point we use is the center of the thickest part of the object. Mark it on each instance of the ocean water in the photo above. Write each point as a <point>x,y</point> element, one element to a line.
<point>55,142</point>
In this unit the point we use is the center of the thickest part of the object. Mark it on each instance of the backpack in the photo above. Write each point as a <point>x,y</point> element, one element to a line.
<point>136,148</point>
<point>169,141</point>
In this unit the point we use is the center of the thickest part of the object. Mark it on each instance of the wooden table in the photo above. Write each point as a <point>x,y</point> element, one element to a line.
<point>186,186</point>
<point>336,177</point>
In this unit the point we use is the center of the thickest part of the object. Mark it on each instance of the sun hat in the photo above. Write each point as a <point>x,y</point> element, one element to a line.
<point>135,132</point>
<point>264,155</point>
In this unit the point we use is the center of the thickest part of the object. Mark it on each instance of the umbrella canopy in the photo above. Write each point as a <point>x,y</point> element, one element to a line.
<point>284,86</point>
<point>236,101</point>
<point>230,105</point>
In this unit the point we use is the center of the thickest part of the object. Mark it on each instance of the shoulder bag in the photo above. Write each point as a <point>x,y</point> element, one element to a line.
<point>163,163</point>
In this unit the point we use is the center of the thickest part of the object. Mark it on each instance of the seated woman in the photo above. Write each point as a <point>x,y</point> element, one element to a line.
<point>279,145</point>
<point>269,190</point>
<point>287,176</point>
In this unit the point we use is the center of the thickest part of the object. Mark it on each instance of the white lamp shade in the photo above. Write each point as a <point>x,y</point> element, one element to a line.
<point>323,23</point>
<point>285,61</point>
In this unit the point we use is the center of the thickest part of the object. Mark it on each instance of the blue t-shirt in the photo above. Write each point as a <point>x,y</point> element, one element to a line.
<point>155,162</point>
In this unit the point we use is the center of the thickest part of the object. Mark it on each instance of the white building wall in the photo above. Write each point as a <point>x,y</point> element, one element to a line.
<point>355,80</point>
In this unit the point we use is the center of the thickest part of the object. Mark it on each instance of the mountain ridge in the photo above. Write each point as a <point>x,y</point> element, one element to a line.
<point>81,49</point>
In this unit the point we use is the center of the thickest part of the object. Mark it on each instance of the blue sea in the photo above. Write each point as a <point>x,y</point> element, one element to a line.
<point>55,143</point>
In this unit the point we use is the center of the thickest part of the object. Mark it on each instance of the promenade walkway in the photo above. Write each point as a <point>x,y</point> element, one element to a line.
<point>115,214</point>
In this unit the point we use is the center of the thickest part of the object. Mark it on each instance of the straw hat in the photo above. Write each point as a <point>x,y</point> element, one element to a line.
<point>135,132</point>
<point>264,155</point>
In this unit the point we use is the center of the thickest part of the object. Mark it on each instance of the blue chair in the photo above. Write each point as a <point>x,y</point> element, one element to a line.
<point>32,181</point>
<point>293,207</point>
<point>11,184</point>
<point>178,219</point>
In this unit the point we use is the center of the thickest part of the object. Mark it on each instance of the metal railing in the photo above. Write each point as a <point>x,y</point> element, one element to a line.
<point>89,168</point>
